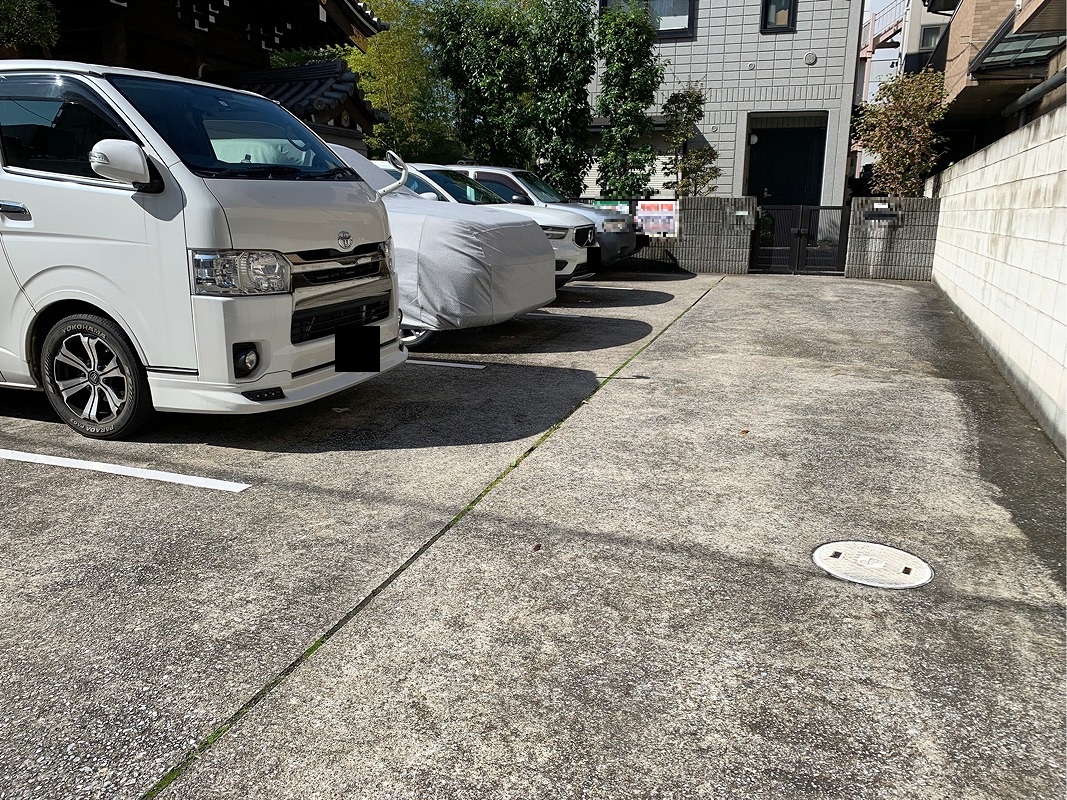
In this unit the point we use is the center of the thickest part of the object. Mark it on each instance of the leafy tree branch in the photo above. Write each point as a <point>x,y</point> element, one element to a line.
<point>28,22</point>
<point>898,127</point>
<point>694,167</point>
<point>626,41</point>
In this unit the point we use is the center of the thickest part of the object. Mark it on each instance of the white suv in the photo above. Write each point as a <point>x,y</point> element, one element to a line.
<point>573,236</point>
<point>616,232</point>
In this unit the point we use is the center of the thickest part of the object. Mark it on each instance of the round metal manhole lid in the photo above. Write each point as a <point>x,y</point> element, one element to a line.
<point>872,564</point>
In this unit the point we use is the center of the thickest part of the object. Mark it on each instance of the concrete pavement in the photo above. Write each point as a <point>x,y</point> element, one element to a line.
<point>583,572</point>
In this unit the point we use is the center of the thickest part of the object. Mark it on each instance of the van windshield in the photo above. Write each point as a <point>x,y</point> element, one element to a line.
<point>218,133</point>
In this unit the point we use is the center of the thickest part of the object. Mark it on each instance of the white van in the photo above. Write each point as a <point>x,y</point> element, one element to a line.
<point>175,245</point>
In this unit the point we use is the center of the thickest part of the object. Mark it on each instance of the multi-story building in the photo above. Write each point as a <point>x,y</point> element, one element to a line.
<point>779,77</point>
<point>1004,64</point>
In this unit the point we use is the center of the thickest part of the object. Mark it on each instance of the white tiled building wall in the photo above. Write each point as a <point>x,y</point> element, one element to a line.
<point>1001,257</point>
<point>745,72</point>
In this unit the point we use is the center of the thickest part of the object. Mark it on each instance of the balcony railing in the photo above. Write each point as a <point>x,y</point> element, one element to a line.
<point>882,27</point>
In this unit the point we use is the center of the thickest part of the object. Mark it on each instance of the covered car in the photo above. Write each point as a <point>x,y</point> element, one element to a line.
<point>459,266</point>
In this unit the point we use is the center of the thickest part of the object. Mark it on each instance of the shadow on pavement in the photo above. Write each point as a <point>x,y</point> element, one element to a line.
<point>588,297</point>
<point>413,407</point>
<point>28,405</point>
<point>636,275</point>
<point>540,333</point>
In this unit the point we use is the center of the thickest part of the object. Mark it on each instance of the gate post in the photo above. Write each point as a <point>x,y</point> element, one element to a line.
<point>715,234</point>
<point>892,238</point>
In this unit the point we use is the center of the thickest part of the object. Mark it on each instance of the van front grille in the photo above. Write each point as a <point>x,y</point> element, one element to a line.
<point>324,267</point>
<point>321,277</point>
<point>321,321</point>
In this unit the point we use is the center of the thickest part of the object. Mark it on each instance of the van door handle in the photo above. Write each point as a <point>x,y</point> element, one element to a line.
<point>11,207</point>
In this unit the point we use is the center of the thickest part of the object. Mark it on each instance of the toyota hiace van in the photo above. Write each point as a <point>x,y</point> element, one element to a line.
<point>171,245</point>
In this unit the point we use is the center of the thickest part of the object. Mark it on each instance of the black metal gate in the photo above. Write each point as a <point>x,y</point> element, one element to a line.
<point>800,240</point>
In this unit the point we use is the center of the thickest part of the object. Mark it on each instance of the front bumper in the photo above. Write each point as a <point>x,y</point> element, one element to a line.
<point>616,246</point>
<point>189,395</point>
<point>303,371</point>
<point>569,258</point>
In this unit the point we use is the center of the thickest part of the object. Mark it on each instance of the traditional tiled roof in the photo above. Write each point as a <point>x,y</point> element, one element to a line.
<point>363,10</point>
<point>307,90</point>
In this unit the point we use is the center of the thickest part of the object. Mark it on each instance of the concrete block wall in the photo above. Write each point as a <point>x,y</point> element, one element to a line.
<point>901,248</point>
<point>1001,259</point>
<point>714,235</point>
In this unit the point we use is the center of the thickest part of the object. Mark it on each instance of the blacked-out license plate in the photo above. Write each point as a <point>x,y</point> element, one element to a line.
<point>357,349</point>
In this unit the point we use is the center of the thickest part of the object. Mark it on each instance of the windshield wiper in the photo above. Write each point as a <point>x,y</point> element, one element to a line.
<point>254,171</point>
<point>330,173</point>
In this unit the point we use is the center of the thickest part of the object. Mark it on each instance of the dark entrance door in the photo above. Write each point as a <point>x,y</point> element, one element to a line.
<point>785,166</point>
<point>800,240</point>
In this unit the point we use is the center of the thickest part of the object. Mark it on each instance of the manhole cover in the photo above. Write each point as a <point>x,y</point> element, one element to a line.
<point>872,564</point>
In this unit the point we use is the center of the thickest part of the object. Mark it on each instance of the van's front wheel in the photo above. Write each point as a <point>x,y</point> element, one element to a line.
<point>93,378</point>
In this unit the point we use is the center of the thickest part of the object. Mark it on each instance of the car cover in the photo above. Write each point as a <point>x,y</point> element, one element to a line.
<point>461,266</point>
<point>458,269</point>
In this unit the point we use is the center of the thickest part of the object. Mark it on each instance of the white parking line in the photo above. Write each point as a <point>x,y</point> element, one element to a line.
<point>132,472</point>
<point>555,316</point>
<point>594,286</point>
<point>444,364</point>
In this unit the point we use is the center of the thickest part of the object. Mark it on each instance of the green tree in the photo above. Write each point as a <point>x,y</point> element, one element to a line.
<point>398,77</point>
<point>28,23</point>
<point>694,167</point>
<point>626,41</point>
<point>898,128</point>
<point>483,50</point>
<point>520,72</point>
<point>563,61</point>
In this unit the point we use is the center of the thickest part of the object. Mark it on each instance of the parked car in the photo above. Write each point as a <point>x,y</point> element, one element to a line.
<point>169,244</point>
<point>459,266</point>
<point>617,233</point>
<point>573,236</point>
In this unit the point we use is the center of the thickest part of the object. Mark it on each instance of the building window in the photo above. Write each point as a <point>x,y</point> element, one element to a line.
<point>675,19</point>
<point>929,37</point>
<point>779,16</point>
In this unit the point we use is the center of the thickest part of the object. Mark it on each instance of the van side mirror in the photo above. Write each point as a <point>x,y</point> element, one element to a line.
<point>120,160</point>
<point>429,196</point>
<point>521,199</point>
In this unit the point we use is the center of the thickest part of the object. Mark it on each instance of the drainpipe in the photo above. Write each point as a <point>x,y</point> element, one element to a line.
<point>1035,94</point>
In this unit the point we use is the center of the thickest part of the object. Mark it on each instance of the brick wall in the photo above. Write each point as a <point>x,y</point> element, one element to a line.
<point>898,247</point>
<point>972,25</point>
<point>1000,256</point>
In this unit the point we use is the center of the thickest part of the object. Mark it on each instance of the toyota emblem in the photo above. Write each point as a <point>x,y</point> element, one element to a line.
<point>344,240</point>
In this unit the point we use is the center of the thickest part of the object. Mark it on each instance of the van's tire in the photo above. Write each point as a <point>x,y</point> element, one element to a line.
<point>416,338</point>
<point>93,378</point>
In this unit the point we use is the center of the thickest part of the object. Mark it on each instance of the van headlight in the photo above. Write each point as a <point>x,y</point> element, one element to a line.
<point>388,251</point>
<point>239,272</point>
<point>616,225</point>
<point>555,233</point>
